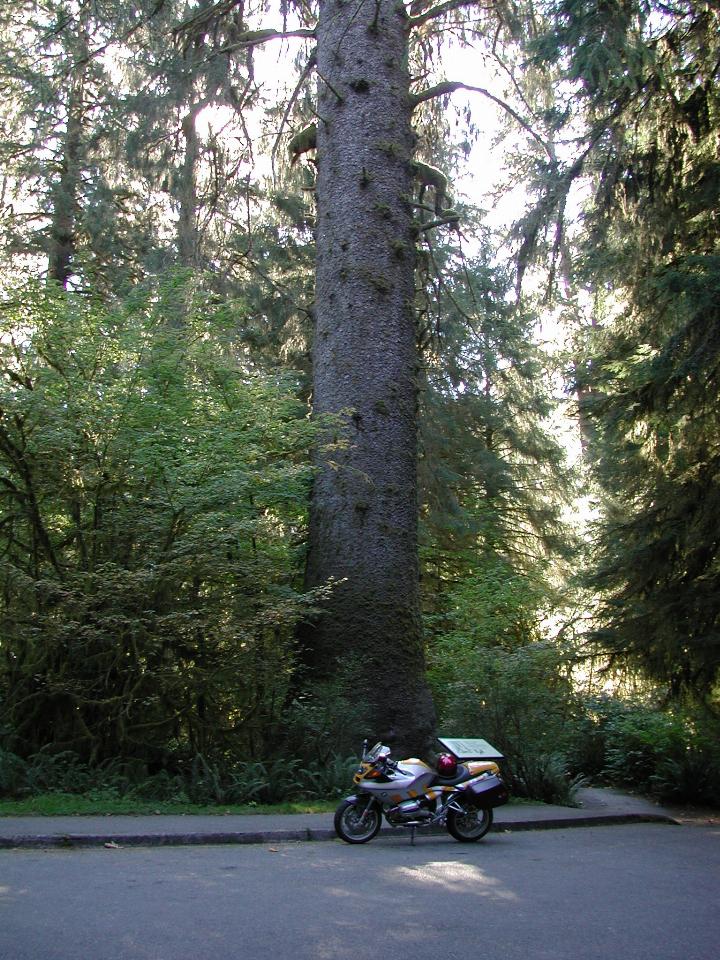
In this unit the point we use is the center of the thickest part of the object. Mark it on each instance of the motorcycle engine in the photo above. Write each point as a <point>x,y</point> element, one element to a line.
<point>408,810</point>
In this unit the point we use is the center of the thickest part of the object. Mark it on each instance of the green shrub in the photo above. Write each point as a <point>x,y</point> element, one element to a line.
<point>13,773</point>
<point>691,777</point>
<point>545,777</point>
<point>167,482</point>
<point>636,741</point>
<point>163,786</point>
<point>63,772</point>
<point>199,781</point>
<point>330,779</point>
<point>673,755</point>
<point>521,700</point>
<point>325,715</point>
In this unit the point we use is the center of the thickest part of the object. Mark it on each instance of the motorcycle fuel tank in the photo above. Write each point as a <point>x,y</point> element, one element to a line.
<point>410,778</point>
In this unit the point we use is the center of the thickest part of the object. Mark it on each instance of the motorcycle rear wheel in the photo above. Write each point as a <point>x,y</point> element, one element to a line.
<point>469,825</point>
<point>353,824</point>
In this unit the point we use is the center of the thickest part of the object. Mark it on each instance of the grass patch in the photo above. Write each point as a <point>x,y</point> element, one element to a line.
<point>78,805</point>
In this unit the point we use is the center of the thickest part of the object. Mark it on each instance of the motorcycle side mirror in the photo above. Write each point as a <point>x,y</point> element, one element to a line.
<point>364,749</point>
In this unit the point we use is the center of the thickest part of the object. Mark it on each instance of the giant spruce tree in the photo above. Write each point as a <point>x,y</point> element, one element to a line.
<point>364,508</point>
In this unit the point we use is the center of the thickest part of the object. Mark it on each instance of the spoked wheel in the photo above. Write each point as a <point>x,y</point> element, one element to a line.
<point>470,824</point>
<point>355,823</point>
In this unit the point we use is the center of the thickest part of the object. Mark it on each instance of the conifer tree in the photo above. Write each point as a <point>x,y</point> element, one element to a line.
<point>104,150</point>
<point>644,81</point>
<point>494,478</point>
<point>363,528</point>
<point>63,200</point>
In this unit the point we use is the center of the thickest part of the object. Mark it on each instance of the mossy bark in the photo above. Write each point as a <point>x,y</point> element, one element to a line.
<point>364,507</point>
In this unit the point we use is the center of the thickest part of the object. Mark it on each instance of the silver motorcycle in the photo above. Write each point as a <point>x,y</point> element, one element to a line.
<point>411,793</point>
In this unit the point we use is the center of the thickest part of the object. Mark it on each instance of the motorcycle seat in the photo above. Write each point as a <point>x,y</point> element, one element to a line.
<point>462,774</point>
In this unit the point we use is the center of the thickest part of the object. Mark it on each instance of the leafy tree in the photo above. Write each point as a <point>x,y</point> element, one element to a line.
<point>152,495</point>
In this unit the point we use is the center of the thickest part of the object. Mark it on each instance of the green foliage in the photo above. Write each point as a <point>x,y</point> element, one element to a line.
<point>657,422</point>
<point>12,773</point>
<point>268,782</point>
<point>493,677</point>
<point>493,477</point>
<point>641,106</point>
<point>118,176</point>
<point>153,491</point>
<point>673,755</point>
<point>546,777</point>
<point>603,43</point>
<point>635,741</point>
<point>198,782</point>
<point>521,701</point>
<point>325,712</point>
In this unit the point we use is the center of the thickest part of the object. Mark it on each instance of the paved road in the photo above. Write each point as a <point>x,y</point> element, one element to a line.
<point>632,892</point>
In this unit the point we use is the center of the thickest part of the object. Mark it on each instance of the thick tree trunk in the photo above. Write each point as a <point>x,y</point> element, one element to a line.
<point>363,530</point>
<point>187,232</point>
<point>63,225</point>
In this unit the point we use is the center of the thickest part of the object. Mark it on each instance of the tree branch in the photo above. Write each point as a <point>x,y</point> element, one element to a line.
<point>439,10</point>
<point>253,38</point>
<point>198,24</point>
<point>450,86</point>
<point>207,16</point>
<point>449,218</point>
<point>309,66</point>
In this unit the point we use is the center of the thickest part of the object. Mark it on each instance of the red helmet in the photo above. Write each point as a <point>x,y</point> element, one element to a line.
<point>446,765</point>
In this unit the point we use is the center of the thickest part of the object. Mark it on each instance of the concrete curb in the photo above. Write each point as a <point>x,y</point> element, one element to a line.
<point>67,841</point>
<point>76,841</point>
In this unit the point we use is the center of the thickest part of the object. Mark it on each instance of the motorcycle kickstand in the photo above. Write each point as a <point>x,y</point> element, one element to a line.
<point>413,828</point>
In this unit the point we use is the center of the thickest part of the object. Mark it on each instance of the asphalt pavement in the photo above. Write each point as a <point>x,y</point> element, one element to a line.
<point>641,891</point>
<point>597,807</point>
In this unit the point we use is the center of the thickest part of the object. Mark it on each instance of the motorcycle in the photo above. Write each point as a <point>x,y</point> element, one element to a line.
<point>410,793</point>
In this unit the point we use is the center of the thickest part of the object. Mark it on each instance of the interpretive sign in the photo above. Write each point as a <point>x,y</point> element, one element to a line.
<point>465,748</point>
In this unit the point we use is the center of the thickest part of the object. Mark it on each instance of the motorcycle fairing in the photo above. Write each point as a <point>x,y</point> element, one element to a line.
<point>357,797</point>
<point>368,771</point>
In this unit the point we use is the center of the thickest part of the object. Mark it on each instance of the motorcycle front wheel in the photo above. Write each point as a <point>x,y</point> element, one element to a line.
<point>355,823</point>
<point>470,824</point>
